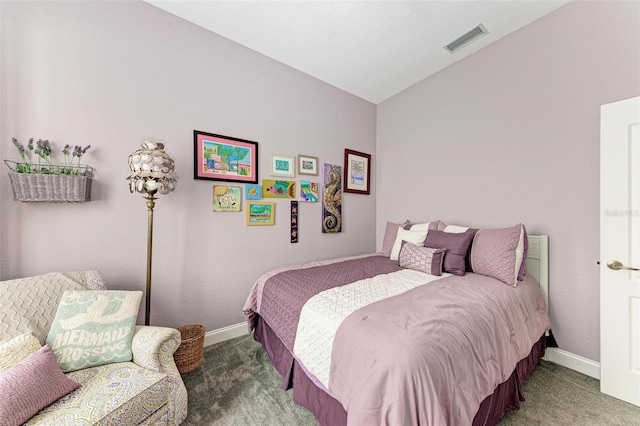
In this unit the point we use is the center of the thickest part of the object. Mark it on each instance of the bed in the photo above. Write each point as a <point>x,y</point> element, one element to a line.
<point>363,340</point>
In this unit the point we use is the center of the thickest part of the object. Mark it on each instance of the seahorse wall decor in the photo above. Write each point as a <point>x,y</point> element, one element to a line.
<point>332,199</point>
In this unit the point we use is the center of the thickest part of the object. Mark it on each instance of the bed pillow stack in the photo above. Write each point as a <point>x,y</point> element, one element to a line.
<point>414,233</point>
<point>456,246</point>
<point>498,253</point>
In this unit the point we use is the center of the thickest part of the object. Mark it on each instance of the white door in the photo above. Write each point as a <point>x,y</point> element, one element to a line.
<point>620,250</point>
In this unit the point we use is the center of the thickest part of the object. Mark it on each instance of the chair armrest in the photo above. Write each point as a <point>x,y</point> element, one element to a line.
<point>153,349</point>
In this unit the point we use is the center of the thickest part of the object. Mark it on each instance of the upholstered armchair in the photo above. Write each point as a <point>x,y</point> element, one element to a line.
<point>146,390</point>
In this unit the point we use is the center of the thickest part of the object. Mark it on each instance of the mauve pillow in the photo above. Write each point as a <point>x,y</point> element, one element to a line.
<point>456,246</point>
<point>420,258</point>
<point>390,234</point>
<point>424,226</point>
<point>499,253</point>
<point>30,385</point>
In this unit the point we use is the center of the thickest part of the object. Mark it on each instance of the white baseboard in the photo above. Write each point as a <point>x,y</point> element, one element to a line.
<point>226,333</point>
<point>574,362</point>
<point>555,355</point>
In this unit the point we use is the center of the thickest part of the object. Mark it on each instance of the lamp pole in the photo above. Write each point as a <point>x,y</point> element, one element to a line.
<point>150,205</point>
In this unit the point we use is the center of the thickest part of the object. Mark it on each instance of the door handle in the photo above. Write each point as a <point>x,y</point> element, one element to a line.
<point>616,265</point>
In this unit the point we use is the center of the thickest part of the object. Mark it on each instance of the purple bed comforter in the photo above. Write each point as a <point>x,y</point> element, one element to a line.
<point>427,356</point>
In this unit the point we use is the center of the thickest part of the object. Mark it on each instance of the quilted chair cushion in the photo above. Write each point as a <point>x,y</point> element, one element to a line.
<point>28,305</point>
<point>114,394</point>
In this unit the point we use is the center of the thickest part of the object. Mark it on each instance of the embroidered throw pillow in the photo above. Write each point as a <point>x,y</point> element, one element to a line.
<point>30,385</point>
<point>17,349</point>
<point>94,328</point>
<point>420,258</point>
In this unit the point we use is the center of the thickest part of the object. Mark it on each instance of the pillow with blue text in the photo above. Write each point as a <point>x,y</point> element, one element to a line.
<point>94,328</point>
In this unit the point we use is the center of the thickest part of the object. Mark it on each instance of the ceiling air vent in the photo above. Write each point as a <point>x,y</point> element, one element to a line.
<point>466,38</point>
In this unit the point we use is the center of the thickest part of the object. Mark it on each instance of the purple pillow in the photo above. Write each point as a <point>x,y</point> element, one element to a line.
<point>30,385</point>
<point>456,246</point>
<point>420,258</point>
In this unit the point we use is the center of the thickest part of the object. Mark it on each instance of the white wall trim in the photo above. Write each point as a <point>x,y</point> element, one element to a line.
<point>226,333</point>
<point>555,355</point>
<point>573,361</point>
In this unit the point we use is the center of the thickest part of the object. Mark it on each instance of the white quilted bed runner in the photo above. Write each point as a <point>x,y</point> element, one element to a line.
<point>322,315</point>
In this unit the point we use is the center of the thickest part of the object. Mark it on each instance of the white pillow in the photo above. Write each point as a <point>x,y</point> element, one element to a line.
<point>455,229</point>
<point>420,227</point>
<point>412,236</point>
<point>17,349</point>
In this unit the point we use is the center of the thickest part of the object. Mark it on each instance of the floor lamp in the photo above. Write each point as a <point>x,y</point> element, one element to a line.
<point>152,173</point>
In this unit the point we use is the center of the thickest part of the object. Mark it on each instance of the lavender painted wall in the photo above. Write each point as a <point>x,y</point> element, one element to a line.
<point>511,134</point>
<point>112,73</point>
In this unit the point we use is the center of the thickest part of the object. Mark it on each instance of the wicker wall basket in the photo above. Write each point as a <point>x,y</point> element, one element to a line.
<point>56,187</point>
<point>188,356</point>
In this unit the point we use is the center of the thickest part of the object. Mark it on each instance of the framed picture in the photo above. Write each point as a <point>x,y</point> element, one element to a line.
<point>309,191</point>
<point>260,213</point>
<point>219,157</point>
<point>307,165</point>
<point>282,165</point>
<point>357,172</point>
<point>253,191</point>
<point>331,199</point>
<point>227,198</point>
<point>278,188</point>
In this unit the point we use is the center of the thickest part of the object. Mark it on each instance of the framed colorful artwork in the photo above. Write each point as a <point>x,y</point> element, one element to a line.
<point>227,198</point>
<point>308,191</point>
<point>307,165</point>
<point>282,165</point>
<point>357,172</point>
<point>332,199</point>
<point>260,213</point>
<point>278,188</point>
<point>224,158</point>
<point>294,222</point>
<point>252,191</point>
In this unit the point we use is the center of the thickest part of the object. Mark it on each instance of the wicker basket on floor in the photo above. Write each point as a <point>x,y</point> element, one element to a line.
<point>188,356</point>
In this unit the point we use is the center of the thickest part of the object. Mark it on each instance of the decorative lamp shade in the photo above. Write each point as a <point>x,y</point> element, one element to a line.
<point>152,169</point>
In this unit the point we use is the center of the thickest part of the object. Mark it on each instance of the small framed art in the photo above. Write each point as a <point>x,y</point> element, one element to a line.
<point>253,191</point>
<point>282,165</point>
<point>260,213</point>
<point>278,188</point>
<point>227,198</point>
<point>357,172</point>
<point>224,158</point>
<point>309,191</point>
<point>307,165</point>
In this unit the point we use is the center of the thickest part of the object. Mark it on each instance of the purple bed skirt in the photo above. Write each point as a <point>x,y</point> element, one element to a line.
<point>329,412</point>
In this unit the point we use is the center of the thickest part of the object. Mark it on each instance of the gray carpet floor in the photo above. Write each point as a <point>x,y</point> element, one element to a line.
<point>236,385</point>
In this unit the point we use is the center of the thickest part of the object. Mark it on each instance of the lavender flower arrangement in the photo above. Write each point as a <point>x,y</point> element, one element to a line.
<point>45,162</point>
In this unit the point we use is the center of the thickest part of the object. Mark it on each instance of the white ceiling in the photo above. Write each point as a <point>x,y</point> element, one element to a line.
<point>372,49</point>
